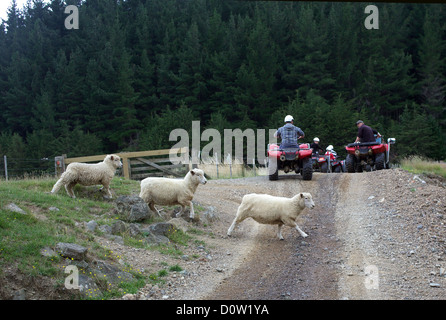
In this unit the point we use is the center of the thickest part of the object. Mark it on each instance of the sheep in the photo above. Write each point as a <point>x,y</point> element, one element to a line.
<point>167,191</point>
<point>88,174</point>
<point>267,209</point>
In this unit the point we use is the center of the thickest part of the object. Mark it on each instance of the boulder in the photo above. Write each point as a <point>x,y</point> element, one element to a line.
<point>71,250</point>
<point>15,208</point>
<point>179,223</point>
<point>161,228</point>
<point>132,208</point>
<point>118,227</point>
<point>87,287</point>
<point>134,229</point>
<point>106,229</point>
<point>110,272</point>
<point>92,225</point>
<point>156,239</point>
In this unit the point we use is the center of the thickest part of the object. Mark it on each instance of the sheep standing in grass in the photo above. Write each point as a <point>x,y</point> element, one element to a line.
<point>267,209</point>
<point>168,192</point>
<point>88,174</point>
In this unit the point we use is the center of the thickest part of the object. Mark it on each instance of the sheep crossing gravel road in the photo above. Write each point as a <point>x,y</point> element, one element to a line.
<point>296,268</point>
<point>371,235</point>
<point>365,240</point>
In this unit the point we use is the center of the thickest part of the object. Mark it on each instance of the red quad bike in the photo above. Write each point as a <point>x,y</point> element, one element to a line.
<point>290,159</point>
<point>368,156</point>
<point>331,163</point>
<point>315,160</point>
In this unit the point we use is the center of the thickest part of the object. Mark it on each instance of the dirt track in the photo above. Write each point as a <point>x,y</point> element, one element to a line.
<point>372,235</point>
<point>275,269</point>
<point>360,244</point>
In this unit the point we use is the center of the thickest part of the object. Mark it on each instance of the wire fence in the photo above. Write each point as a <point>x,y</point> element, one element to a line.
<point>16,168</point>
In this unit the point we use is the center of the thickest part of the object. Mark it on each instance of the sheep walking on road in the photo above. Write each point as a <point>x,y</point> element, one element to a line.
<point>168,192</point>
<point>88,174</point>
<point>267,209</point>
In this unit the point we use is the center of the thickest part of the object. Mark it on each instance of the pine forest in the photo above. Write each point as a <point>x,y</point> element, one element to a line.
<point>134,70</point>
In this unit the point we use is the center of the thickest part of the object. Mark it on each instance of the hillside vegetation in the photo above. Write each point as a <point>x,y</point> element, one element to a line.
<point>51,219</point>
<point>137,69</point>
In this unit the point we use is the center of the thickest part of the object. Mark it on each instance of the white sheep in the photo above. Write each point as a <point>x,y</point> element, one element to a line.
<point>88,174</point>
<point>267,209</point>
<point>168,191</point>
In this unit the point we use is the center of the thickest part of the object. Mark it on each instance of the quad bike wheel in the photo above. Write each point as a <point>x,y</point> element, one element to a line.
<point>324,167</point>
<point>307,169</point>
<point>380,161</point>
<point>350,162</point>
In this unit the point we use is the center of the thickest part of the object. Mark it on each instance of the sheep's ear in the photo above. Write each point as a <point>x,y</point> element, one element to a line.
<point>301,195</point>
<point>192,172</point>
<point>111,157</point>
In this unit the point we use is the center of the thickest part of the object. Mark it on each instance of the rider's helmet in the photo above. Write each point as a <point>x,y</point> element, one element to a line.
<point>289,118</point>
<point>329,148</point>
<point>316,139</point>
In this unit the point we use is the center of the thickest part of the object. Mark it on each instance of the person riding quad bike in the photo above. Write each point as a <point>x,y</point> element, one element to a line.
<point>289,156</point>
<point>316,146</point>
<point>367,152</point>
<point>289,133</point>
<point>315,156</point>
<point>331,162</point>
<point>366,134</point>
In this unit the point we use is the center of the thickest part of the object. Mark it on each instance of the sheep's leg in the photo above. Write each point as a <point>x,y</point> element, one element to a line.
<point>152,207</point>
<point>69,188</point>
<point>236,221</point>
<point>106,186</point>
<point>239,217</point>
<point>293,224</point>
<point>180,212</point>
<point>231,228</point>
<point>192,213</point>
<point>279,231</point>
<point>109,192</point>
<point>303,234</point>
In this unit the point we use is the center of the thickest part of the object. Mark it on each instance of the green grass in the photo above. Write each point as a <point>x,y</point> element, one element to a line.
<point>175,268</point>
<point>419,165</point>
<point>22,237</point>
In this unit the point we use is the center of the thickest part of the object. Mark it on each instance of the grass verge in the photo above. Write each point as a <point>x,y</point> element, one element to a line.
<point>420,165</point>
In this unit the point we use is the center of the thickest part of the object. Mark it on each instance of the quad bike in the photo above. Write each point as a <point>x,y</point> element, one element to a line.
<point>290,159</point>
<point>331,163</point>
<point>368,156</point>
<point>315,160</point>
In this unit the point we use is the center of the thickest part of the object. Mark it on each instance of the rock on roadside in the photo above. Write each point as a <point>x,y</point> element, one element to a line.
<point>71,250</point>
<point>132,208</point>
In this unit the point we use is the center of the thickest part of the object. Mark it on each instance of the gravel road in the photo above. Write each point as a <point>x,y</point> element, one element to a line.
<point>373,235</point>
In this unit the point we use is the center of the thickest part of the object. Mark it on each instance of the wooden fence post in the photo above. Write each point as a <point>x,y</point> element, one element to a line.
<point>59,165</point>
<point>125,167</point>
<point>6,167</point>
